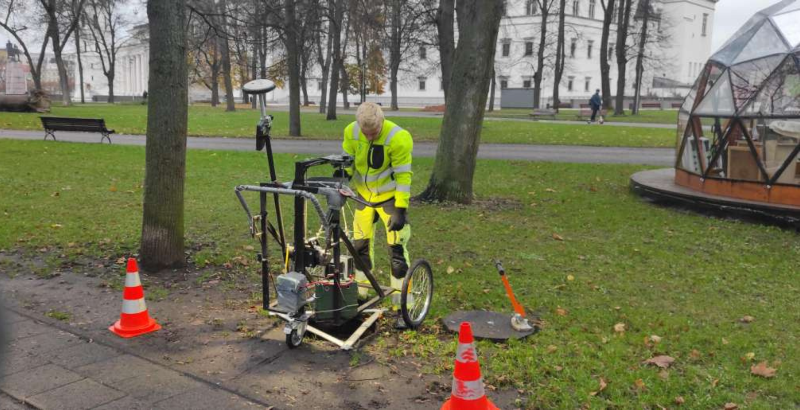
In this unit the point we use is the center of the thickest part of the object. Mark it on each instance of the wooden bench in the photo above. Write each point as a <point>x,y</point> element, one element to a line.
<point>543,112</point>
<point>652,105</point>
<point>52,124</point>
<point>676,105</point>
<point>586,112</point>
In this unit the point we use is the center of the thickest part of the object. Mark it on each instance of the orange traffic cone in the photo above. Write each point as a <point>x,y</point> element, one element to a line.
<point>467,392</point>
<point>134,320</point>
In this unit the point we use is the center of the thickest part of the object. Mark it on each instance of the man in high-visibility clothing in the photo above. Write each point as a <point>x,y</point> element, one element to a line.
<point>381,174</point>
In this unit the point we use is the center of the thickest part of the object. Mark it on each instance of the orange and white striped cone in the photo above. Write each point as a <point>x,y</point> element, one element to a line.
<point>134,320</point>
<point>467,392</point>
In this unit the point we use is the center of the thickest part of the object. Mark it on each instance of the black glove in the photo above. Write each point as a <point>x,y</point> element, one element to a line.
<point>340,173</point>
<point>398,219</point>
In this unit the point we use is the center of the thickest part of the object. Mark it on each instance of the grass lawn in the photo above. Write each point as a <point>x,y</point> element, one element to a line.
<point>645,116</point>
<point>207,121</point>
<point>679,282</point>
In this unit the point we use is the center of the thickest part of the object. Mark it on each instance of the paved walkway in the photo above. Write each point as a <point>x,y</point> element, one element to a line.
<point>47,367</point>
<point>519,152</point>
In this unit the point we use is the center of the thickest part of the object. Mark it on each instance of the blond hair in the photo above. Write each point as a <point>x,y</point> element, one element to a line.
<point>370,117</point>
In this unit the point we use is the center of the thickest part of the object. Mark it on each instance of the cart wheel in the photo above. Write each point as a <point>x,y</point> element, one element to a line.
<point>417,293</point>
<point>295,338</point>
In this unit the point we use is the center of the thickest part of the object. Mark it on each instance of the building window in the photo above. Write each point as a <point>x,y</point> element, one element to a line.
<point>531,7</point>
<point>576,8</point>
<point>587,84</point>
<point>506,49</point>
<point>705,24</point>
<point>526,82</point>
<point>529,48</point>
<point>422,83</point>
<point>503,83</point>
<point>589,49</point>
<point>423,53</point>
<point>592,4</point>
<point>572,47</point>
<point>570,82</point>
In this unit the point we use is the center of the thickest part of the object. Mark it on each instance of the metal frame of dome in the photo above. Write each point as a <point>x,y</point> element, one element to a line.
<point>748,85</point>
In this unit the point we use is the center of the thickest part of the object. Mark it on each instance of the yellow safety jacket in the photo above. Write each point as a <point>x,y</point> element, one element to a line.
<point>382,166</point>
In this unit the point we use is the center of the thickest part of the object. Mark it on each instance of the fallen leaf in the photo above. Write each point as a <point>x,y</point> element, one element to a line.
<point>558,368</point>
<point>550,190</point>
<point>695,354</point>
<point>664,375</point>
<point>113,188</point>
<point>619,327</point>
<point>551,349</point>
<point>120,261</point>
<point>640,384</point>
<point>714,383</point>
<point>561,312</point>
<point>725,341</point>
<point>56,226</point>
<point>662,361</point>
<point>679,400</point>
<point>249,248</point>
<point>749,356</point>
<point>440,261</point>
<point>655,339</point>
<point>557,237</point>
<point>731,406</point>
<point>570,278</point>
<point>55,194</point>
<point>450,269</point>
<point>762,370</point>
<point>487,290</point>
<point>747,319</point>
<point>603,386</point>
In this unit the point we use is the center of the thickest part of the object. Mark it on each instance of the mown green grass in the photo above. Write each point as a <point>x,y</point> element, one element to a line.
<point>207,121</point>
<point>683,277</point>
<point>644,117</point>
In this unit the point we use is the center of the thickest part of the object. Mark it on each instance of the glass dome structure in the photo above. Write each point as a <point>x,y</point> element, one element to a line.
<point>739,126</point>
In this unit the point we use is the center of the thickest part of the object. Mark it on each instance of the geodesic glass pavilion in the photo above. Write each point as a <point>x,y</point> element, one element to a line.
<point>739,127</point>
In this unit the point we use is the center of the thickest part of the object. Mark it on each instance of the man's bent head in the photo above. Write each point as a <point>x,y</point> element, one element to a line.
<point>370,119</point>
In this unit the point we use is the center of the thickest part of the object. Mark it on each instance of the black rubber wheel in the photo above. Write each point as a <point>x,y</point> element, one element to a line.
<point>295,338</point>
<point>418,284</point>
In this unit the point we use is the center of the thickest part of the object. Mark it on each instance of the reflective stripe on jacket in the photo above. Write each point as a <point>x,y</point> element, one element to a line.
<point>382,166</point>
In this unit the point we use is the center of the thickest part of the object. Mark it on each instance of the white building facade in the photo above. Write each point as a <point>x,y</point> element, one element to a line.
<point>687,24</point>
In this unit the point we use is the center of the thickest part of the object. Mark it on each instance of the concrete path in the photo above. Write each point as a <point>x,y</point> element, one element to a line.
<point>518,152</point>
<point>47,367</point>
<point>423,114</point>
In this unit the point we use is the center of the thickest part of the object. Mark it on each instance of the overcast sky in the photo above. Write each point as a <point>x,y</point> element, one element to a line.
<point>729,16</point>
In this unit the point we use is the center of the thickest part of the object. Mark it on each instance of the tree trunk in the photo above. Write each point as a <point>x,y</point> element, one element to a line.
<point>394,52</point>
<point>294,69</point>
<point>445,17</point>
<point>491,91</point>
<point>215,73</point>
<point>558,71</point>
<point>336,67</point>
<point>230,103</point>
<point>254,72</point>
<point>80,63</point>
<point>165,163</point>
<point>325,64</point>
<point>345,82</point>
<point>623,24</point>
<point>111,86</point>
<point>544,9</point>
<point>454,168</point>
<point>640,59</point>
<point>605,67</point>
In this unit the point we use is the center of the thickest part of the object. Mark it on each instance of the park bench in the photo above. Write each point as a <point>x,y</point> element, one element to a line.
<point>543,112</point>
<point>676,105</point>
<point>586,112</point>
<point>52,124</point>
<point>652,105</point>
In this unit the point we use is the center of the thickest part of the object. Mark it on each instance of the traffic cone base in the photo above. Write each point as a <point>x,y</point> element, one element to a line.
<point>134,319</point>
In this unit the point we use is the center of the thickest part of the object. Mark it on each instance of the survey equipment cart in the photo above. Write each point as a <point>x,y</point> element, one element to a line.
<point>317,282</point>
